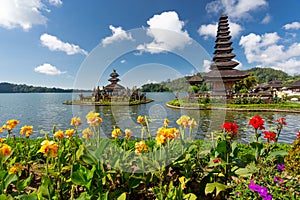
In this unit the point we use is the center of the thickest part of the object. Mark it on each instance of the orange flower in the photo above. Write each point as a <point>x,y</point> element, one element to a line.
<point>27,130</point>
<point>128,134</point>
<point>13,170</point>
<point>10,124</point>
<point>140,120</point>
<point>49,148</point>
<point>93,118</point>
<point>59,134</point>
<point>116,132</point>
<point>141,147</point>
<point>1,130</point>
<point>87,133</point>
<point>183,121</point>
<point>76,121</point>
<point>69,133</point>
<point>164,133</point>
<point>5,150</point>
<point>2,140</point>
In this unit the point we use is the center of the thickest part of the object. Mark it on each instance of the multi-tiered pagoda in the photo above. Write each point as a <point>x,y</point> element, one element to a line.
<point>223,75</point>
<point>114,88</point>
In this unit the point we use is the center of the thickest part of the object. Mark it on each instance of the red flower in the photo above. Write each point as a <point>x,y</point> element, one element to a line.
<point>230,127</point>
<point>270,135</point>
<point>257,122</point>
<point>217,160</point>
<point>281,121</point>
<point>299,134</point>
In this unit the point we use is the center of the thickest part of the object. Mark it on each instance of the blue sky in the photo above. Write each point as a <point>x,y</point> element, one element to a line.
<point>75,43</point>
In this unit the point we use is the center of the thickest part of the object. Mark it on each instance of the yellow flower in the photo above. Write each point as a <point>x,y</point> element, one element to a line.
<point>13,170</point>
<point>69,133</point>
<point>141,147</point>
<point>128,133</point>
<point>183,121</point>
<point>5,150</point>
<point>2,140</point>
<point>193,123</point>
<point>140,120</point>
<point>116,132</point>
<point>76,121</point>
<point>164,133</point>
<point>1,130</point>
<point>160,139</point>
<point>183,181</point>
<point>166,123</point>
<point>59,134</point>
<point>10,124</point>
<point>87,133</point>
<point>27,130</point>
<point>93,118</point>
<point>49,148</point>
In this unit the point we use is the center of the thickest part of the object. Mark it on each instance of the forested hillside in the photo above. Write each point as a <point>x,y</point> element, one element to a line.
<point>14,88</point>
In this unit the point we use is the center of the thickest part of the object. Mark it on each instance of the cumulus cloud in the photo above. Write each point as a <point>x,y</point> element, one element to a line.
<point>294,25</point>
<point>268,50</point>
<point>267,19</point>
<point>210,30</point>
<point>20,13</point>
<point>55,2</point>
<point>54,44</point>
<point>48,69</point>
<point>206,65</point>
<point>167,32</point>
<point>118,34</point>
<point>236,9</point>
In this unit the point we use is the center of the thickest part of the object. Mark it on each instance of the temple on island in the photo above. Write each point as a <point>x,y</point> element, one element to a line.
<point>222,76</point>
<point>114,91</point>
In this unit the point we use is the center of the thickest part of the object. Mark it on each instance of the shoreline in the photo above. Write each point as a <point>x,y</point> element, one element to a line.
<point>108,104</point>
<point>234,109</point>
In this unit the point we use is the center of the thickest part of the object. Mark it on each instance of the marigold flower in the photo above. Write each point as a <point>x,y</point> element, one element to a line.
<point>230,127</point>
<point>183,182</point>
<point>10,124</point>
<point>269,135</point>
<point>49,148</point>
<point>27,130</point>
<point>59,134</point>
<point>13,170</point>
<point>87,133</point>
<point>141,147</point>
<point>93,118</point>
<point>257,122</point>
<point>140,120</point>
<point>5,150</point>
<point>183,121</point>
<point>128,134</point>
<point>116,132</point>
<point>76,121</point>
<point>69,133</point>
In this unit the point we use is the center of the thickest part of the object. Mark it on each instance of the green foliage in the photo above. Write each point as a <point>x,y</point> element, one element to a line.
<point>154,87</point>
<point>245,85</point>
<point>292,160</point>
<point>265,75</point>
<point>14,88</point>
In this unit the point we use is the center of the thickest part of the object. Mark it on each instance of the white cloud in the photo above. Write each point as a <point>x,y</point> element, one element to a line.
<point>55,2</point>
<point>236,9</point>
<point>167,32</point>
<point>48,69</point>
<point>265,50</point>
<point>294,25</point>
<point>210,30</point>
<point>118,34</point>
<point>21,13</point>
<point>123,61</point>
<point>54,44</point>
<point>267,19</point>
<point>206,65</point>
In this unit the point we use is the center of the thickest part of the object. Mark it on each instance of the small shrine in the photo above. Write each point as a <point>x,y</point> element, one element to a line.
<point>222,76</point>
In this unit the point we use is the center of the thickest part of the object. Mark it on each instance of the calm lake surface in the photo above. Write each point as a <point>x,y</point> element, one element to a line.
<point>43,110</point>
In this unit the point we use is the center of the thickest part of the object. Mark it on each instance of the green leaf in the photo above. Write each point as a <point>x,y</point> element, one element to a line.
<point>134,182</point>
<point>122,196</point>
<point>190,196</point>
<point>221,147</point>
<point>210,187</point>
<point>79,177</point>
<point>277,153</point>
<point>84,196</point>
<point>32,196</point>
<point>9,179</point>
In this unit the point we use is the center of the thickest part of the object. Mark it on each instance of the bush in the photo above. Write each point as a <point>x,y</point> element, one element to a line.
<point>292,159</point>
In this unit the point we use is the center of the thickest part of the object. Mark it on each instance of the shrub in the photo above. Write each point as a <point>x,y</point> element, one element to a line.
<point>292,159</point>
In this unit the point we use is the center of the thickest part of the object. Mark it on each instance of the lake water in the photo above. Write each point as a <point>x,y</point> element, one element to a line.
<point>43,110</point>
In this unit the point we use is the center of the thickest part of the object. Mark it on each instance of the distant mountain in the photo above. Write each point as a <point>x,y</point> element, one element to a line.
<point>22,88</point>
